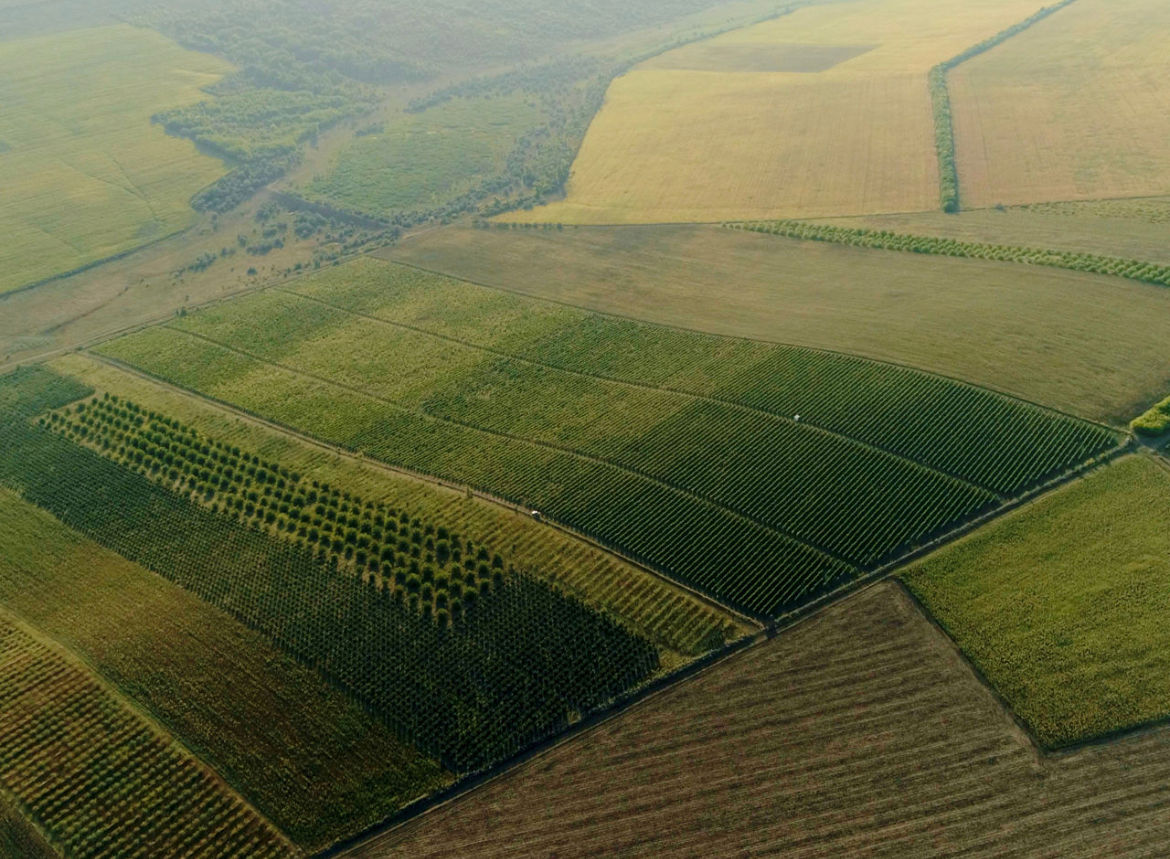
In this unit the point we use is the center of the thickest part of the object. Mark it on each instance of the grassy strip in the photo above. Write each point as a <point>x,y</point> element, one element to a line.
<point>944,129</point>
<point>1145,272</point>
<point>1062,605</point>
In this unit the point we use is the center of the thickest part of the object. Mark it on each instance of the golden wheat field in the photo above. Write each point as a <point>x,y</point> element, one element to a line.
<point>85,175</point>
<point>1075,108</point>
<point>822,112</point>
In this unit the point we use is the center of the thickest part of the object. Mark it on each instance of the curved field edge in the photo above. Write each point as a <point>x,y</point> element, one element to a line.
<point>1061,604</point>
<point>301,337</point>
<point>67,735</point>
<point>676,620</point>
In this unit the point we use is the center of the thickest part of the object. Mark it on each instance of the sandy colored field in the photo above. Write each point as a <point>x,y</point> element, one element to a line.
<point>1094,346</point>
<point>1110,233</point>
<point>822,112</point>
<point>85,174</point>
<point>858,733</point>
<point>1075,108</point>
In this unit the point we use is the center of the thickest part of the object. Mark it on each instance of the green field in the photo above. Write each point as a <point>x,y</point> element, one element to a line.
<point>674,619</point>
<point>470,687</point>
<point>735,466</point>
<point>85,174</point>
<point>63,733</point>
<point>1062,605</point>
<point>19,839</point>
<point>422,161</point>
<point>1088,345</point>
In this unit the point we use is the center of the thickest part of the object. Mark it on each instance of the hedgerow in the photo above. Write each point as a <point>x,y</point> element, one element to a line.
<point>1132,269</point>
<point>944,129</point>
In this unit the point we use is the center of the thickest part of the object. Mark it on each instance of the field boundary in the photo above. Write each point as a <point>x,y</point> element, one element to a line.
<point>940,95</point>
<point>645,386</point>
<point>819,350</point>
<point>745,618</point>
<point>1154,274</point>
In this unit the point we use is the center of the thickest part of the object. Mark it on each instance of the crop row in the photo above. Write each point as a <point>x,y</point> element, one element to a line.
<point>1146,272</point>
<point>432,569</point>
<point>944,129</point>
<point>995,442</point>
<point>525,663</point>
<point>99,780</point>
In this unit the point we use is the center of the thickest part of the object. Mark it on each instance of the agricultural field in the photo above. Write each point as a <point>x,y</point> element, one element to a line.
<point>19,839</point>
<point>858,733</point>
<point>1132,229</point>
<point>1089,345</point>
<point>85,174</point>
<point>821,112</point>
<point>1072,109</point>
<point>611,426</point>
<point>1062,605</point>
<point>674,619</point>
<point>421,161</point>
<point>101,780</point>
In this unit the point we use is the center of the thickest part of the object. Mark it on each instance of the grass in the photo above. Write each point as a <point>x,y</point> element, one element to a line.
<point>422,161</point>
<point>1062,605</point>
<point>100,779</point>
<point>676,143</point>
<point>1074,108</point>
<point>650,439</point>
<point>681,625</point>
<point>1089,345</point>
<point>85,174</point>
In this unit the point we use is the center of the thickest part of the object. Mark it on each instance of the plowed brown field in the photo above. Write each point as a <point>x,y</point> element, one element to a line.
<point>859,733</point>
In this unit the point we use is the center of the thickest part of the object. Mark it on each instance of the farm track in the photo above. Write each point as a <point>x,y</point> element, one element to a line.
<point>872,737</point>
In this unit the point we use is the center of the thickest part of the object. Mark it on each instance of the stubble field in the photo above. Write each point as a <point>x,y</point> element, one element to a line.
<point>821,112</point>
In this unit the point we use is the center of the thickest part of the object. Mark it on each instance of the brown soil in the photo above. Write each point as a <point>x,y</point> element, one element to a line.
<point>859,733</point>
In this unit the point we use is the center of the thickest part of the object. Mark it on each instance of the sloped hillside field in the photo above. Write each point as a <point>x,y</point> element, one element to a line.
<point>764,475</point>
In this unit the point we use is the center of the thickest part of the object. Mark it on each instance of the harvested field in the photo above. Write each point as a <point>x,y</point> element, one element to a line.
<point>789,118</point>
<point>858,733</point>
<point>85,174</point>
<point>1075,108</point>
<point>1090,345</point>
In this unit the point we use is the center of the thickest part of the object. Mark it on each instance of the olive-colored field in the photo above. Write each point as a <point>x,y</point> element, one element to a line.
<point>1093,346</point>
<point>675,620</point>
<point>85,174</point>
<point>1063,605</point>
<point>1077,107</point>
<point>99,777</point>
<point>859,733</point>
<point>316,763</point>
<point>822,112</point>
<point>1110,233</point>
<point>19,839</point>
